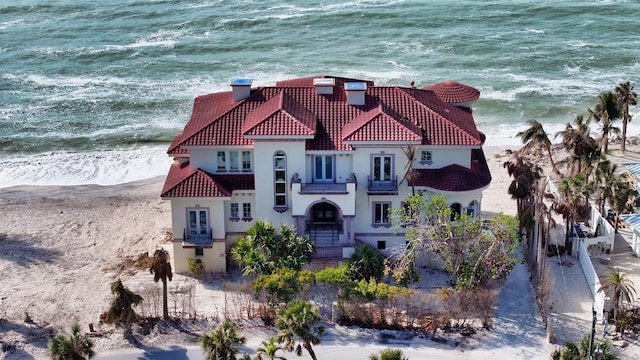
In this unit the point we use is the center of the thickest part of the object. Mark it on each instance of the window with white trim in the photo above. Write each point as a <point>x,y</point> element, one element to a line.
<point>246,161</point>
<point>381,214</point>
<point>246,211</point>
<point>280,179</point>
<point>323,168</point>
<point>382,169</point>
<point>198,220</point>
<point>222,160</point>
<point>234,211</point>
<point>233,161</point>
<point>426,155</point>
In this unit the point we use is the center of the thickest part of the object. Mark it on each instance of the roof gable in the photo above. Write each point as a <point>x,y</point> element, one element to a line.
<point>280,116</point>
<point>378,124</point>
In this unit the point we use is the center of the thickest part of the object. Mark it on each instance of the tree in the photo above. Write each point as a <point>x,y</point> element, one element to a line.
<point>471,251</point>
<point>388,354</point>
<point>624,193</point>
<point>574,204</point>
<point>295,324</point>
<point>573,351</point>
<point>626,97</point>
<point>268,350</point>
<point>536,137</point>
<point>264,249</point>
<point>577,141</point>
<point>606,112</point>
<point>161,270</point>
<point>73,347</point>
<point>222,343</point>
<point>121,310</point>
<point>619,288</point>
<point>409,173</point>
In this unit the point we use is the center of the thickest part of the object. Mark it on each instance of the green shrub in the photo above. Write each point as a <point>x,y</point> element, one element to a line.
<point>195,267</point>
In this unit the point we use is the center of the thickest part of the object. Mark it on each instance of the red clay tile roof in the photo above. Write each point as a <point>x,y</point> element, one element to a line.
<point>456,177</point>
<point>453,92</point>
<point>183,182</point>
<point>308,81</point>
<point>280,116</point>
<point>419,111</point>
<point>378,124</point>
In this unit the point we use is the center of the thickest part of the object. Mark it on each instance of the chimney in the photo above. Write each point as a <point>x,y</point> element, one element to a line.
<point>324,85</point>
<point>355,92</point>
<point>241,88</point>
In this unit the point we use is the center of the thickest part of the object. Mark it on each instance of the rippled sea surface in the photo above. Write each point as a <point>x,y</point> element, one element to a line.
<point>94,91</point>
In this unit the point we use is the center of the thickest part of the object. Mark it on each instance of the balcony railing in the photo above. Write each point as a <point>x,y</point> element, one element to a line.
<point>383,186</point>
<point>323,188</point>
<point>197,240</point>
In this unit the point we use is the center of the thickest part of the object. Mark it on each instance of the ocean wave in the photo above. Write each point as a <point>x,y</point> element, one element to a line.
<point>71,168</point>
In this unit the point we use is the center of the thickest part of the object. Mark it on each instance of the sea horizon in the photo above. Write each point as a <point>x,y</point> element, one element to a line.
<point>93,92</point>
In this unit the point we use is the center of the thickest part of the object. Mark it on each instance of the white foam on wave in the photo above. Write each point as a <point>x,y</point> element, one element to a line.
<point>101,168</point>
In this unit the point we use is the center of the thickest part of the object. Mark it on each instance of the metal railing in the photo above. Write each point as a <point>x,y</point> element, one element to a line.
<point>382,186</point>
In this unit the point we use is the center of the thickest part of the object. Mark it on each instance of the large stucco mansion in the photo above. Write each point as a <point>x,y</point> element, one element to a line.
<point>322,153</point>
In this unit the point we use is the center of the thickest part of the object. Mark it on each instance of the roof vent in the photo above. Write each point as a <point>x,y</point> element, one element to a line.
<point>324,85</point>
<point>241,88</point>
<point>355,92</point>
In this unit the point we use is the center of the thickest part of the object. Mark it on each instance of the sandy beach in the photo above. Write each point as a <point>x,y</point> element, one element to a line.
<point>61,247</point>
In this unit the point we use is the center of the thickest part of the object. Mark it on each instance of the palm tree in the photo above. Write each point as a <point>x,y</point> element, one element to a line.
<point>74,347</point>
<point>121,309</point>
<point>574,205</point>
<point>296,322</point>
<point>577,141</point>
<point>626,97</point>
<point>161,270</point>
<point>409,174</point>
<point>573,351</point>
<point>624,192</point>
<point>535,136</point>
<point>605,172</point>
<point>222,343</point>
<point>366,263</point>
<point>618,287</point>
<point>268,350</point>
<point>388,354</point>
<point>606,112</point>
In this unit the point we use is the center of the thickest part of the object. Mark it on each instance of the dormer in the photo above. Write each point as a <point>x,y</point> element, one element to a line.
<point>324,86</point>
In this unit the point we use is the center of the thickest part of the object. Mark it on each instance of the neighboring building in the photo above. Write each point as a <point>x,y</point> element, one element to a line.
<point>324,154</point>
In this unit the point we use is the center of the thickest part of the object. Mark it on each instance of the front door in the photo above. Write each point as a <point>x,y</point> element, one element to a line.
<point>324,213</point>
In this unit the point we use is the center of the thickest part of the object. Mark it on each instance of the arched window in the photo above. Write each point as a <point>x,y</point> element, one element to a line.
<point>471,209</point>
<point>280,179</point>
<point>456,210</point>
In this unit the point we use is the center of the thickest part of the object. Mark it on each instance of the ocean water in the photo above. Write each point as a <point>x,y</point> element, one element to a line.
<point>94,91</point>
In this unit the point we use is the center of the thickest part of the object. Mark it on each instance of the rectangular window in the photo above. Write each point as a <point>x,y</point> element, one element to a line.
<point>246,161</point>
<point>246,211</point>
<point>199,251</point>
<point>425,156</point>
<point>198,222</point>
<point>233,161</point>
<point>280,177</point>
<point>234,211</point>
<point>382,167</point>
<point>222,161</point>
<point>382,244</point>
<point>323,171</point>
<point>381,213</point>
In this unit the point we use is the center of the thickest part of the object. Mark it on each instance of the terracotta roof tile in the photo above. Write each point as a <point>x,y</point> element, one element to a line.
<point>453,92</point>
<point>184,182</point>
<point>280,116</point>
<point>456,177</point>
<point>378,124</point>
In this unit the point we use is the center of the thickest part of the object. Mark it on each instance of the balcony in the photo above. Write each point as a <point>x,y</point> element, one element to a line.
<point>323,188</point>
<point>197,240</point>
<point>383,187</point>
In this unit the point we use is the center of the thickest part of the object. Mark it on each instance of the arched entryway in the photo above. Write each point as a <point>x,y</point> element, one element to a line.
<point>324,224</point>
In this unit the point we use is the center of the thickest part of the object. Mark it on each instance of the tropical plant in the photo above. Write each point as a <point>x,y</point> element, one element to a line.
<point>121,310</point>
<point>409,173</point>
<point>264,249</point>
<point>536,137</point>
<point>619,288</point>
<point>268,350</point>
<point>196,267</point>
<point>365,263</point>
<point>161,270</point>
<point>73,347</point>
<point>574,205</point>
<point>583,351</point>
<point>295,325</point>
<point>606,112</point>
<point>388,354</point>
<point>472,254</point>
<point>577,141</point>
<point>624,192</point>
<point>222,343</point>
<point>626,97</point>
<point>605,172</point>
<point>281,286</point>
